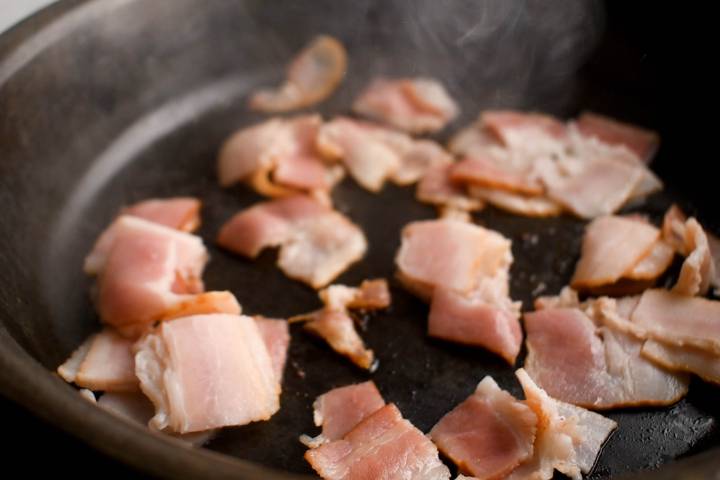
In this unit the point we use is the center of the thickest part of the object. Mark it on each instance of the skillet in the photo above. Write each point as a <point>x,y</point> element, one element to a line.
<point>105,102</point>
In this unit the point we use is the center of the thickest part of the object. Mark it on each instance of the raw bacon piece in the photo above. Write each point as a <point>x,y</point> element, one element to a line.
<point>316,243</point>
<point>148,273</point>
<point>416,105</point>
<point>643,143</point>
<point>597,368</point>
<point>103,362</point>
<point>462,254</point>
<point>312,77</point>
<point>180,213</point>
<point>592,431</point>
<point>277,157</point>
<point>334,324</point>
<point>338,330</point>
<point>207,371</point>
<point>276,335</point>
<point>437,188</point>
<point>612,246</point>
<point>341,409</point>
<point>519,204</point>
<point>384,445</point>
<point>136,407</point>
<point>474,321</point>
<point>489,434</point>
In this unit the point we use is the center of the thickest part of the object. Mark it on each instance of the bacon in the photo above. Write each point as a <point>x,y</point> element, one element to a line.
<point>103,362</point>
<point>512,128</point>
<point>316,243</point>
<point>276,336</point>
<point>698,269</point>
<point>463,253</point>
<point>437,188</point>
<point>474,321</point>
<point>383,445</point>
<point>277,158</point>
<point>597,368</point>
<point>689,359</point>
<point>612,247</point>
<point>207,371</point>
<point>519,204</point>
<point>497,172</point>
<point>180,213</point>
<point>334,324</point>
<point>312,77</point>
<point>416,105</point>
<point>341,409</point>
<point>489,434</point>
<point>148,273</point>
<point>643,143</point>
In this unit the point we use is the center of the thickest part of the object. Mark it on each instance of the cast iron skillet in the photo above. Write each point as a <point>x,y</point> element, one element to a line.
<point>110,101</point>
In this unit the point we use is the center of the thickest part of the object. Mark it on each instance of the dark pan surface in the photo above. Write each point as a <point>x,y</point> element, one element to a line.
<point>142,97</point>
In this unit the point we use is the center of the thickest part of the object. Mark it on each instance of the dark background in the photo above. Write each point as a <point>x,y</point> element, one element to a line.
<point>670,45</point>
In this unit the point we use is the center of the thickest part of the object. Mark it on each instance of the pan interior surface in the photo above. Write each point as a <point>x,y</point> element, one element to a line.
<point>127,100</point>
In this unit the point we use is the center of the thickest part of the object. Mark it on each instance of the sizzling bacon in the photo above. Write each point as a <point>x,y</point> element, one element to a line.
<point>312,77</point>
<point>104,362</point>
<point>383,445</point>
<point>276,336</point>
<point>519,204</point>
<point>598,367</point>
<point>698,269</point>
<point>147,273</point>
<point>207,371</point>
<point>416,105</point>
<point>437,188</point>
<point>341,409</point>
<point>277,157</point>
<point>643,143</point>
<point>180,213</point>
<point>612,247</point>
<point>487,435</point>
<point>316,243</point>
<point>334,324</point>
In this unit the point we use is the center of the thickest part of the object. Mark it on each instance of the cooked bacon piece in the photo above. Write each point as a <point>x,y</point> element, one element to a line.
<point>689,359</point>
<point>277,157</point>
<point>513,128</point>
<point>341,409</point>
<point>673,229</point>
<point>373,154</point>
<point>334,324</point>
<point>384,445</point>
<point>569,438</point>
<point>437,188</point>
<point>148,273</point>
<point>103,362</point>
<point>474,140</point>
<point>590,187</point>
<point>207,371</point>
<point>678,320</point>
<point>338,330</point>
<point>568,298</point>
<point>505,173</point>
<point>654,263</point>
<point>597,368</point>
<point>475,321</point>
<point>311,78</point>
<point>643,143</point>
<point>462,254</point>
<point>489,434</point>
<point>136,407</point>
<point>316,243</point>
<point>519,204</point>
<point>416,105</point>
<point>611,248</point>
<point>698,269</point>
<point>276,335</point>
<point>180,213</point>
